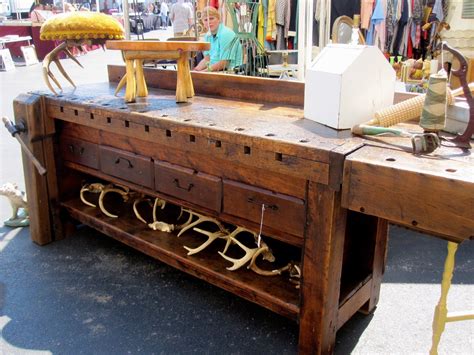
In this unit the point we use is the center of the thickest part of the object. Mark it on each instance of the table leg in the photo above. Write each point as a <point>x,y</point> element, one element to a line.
<point>142,90</point>
<point>131,88</point>
<point>321,270</point>
<point>182,83</point>
<point>378,264</point>
<point>441,310</point>
<point>189,79</point>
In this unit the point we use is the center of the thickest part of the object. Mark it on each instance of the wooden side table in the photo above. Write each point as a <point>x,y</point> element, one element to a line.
<point>135,52</point>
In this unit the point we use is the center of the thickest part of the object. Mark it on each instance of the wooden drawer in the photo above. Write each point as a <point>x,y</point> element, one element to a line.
<point>79,151</point>
<point>282,212</point>
<point>187,184</point>
<point>128,166</point>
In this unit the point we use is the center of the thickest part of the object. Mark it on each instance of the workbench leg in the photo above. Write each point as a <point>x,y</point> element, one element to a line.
<point>321,270</point>
<point>378,264</point>
<point>27,110</point>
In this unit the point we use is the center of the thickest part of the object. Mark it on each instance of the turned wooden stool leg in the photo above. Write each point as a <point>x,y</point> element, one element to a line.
<point>189,79</point>
<point>142,90</point>
<point>441,316</point>
<point>181,90</point>
<point>131,88</point>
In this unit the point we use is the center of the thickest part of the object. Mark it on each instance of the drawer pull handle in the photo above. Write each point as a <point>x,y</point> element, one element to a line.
<point>117,161</point>
<point>190,186</point>
<point>267,206</point>
<point>72,150</point>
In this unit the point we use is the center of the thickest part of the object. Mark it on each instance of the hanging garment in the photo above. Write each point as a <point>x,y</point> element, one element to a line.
<point>282,18</point>
<point>271,21</point>
<point>438,10</point>
<point>390,24</point>
<point>366,10</point>
<point>281,40</point>
<point>400,27</point>
<point>283,14</point>
<point>404,43</point>
<point>293,8</point>
<point>376,33</point>
<point>417,15</point>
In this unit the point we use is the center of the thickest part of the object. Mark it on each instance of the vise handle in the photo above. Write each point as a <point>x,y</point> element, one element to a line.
<point>14,130</point>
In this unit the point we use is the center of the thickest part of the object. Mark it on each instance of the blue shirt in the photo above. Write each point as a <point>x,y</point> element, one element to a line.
<point>224,46</point>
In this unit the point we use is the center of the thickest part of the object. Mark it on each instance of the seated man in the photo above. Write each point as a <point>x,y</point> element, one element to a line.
<point>226,51</point>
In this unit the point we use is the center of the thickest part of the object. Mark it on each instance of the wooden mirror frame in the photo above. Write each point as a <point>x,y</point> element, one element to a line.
<point>348,21</point>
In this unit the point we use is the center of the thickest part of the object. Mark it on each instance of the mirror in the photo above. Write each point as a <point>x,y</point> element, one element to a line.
<point>342,31</point>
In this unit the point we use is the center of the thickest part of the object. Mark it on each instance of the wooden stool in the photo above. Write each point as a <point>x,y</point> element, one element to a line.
<point>441,316</point>
<point>135,52</point>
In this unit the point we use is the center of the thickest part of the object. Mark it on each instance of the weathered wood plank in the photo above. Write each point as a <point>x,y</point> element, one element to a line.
<point>51,177</point>
<point>377,268</point>
<point>280,129</point>
<point>321,271</point>
<point>276,293</point>
<point>225,85</point>
<point>149,45</point>
<point>215,164</point>
<point>27,110</point>
<point>434,195</point>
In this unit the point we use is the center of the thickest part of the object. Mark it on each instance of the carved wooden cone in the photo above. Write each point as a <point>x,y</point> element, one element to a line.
<point>142,90</point>
<point>189,79</point>
<point>130,91</point>
<point>182,82</point>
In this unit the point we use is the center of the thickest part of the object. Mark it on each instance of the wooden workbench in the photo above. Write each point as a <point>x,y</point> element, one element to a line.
<point>240,143</point>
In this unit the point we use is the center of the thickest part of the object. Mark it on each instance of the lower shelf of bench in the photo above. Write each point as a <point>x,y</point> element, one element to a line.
<point>275,292</point>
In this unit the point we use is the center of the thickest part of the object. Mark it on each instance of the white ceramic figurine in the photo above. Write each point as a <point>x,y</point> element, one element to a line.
<point>18,203</point>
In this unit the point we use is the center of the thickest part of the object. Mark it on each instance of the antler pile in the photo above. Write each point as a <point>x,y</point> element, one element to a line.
<point>194,219</point>
<point>99,188</point>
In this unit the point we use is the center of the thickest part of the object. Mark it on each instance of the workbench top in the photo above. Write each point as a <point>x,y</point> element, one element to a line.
<point>273,127</point>
<point>282,124</point>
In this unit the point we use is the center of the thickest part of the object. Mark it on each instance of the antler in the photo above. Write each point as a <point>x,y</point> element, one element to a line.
<point>94,188</point>
<point>155,225</point>
<point>53,56</point>
<point>211,236</point>
<point>201,218</point>
<point>159,225</point>
<point>135,209</point>
<point>249,252</point>
<point>267,255</point>
<point>123,191</point>
<point>295,274</point>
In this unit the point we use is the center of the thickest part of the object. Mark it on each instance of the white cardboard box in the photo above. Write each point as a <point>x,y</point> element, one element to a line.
<point>346,84</point>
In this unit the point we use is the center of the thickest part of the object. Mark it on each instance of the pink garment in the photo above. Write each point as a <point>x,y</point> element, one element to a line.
<point>366,9</point>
